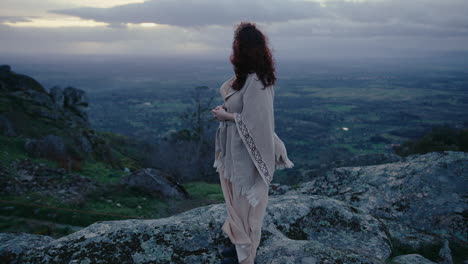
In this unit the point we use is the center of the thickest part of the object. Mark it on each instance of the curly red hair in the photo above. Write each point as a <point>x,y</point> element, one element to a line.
<point>250,53</point>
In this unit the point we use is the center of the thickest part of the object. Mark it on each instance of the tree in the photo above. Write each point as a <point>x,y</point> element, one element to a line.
<point>188,153</point>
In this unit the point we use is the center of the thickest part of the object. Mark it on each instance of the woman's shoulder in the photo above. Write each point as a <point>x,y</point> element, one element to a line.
<point>229,81</point>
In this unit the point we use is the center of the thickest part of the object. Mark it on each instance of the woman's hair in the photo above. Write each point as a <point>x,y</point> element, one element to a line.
<point>250,53</point>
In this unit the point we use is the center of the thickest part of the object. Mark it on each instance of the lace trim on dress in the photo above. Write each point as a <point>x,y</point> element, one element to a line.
<point>246,136</point>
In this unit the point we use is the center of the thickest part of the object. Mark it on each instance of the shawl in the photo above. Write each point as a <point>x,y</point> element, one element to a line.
<point>256,127</point>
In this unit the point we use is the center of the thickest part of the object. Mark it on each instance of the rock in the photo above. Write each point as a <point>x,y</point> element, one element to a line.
<point>13,246</point>
<point>288,251</point>
<point>409,239</point>
<point>84,144</point>
<point>50,147</point>
<point>330,222</point>
<point>6,128</point>
<point>155,182</point>
<point>76,100</point>
<point>195,236</point>
<point>33,97</point>
<point>411,259</point>
<point>426,192</point>
<point>35,113</point>
<point>445,254</point>
<point>57,95</point>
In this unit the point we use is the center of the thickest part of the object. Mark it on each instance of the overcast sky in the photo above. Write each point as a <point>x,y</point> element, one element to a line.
<point>204,28</point>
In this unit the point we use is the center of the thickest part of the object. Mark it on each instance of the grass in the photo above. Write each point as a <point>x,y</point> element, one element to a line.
<point>201,190</point>
<point>34,212</point>
<point>13,150</point>
<point>100,172</point>
<point>112,203</point>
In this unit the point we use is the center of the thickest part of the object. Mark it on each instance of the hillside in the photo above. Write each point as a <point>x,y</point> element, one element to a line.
<point>58,174</point>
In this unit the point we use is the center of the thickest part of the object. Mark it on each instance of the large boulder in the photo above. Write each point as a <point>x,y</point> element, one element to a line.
<point>329,222</point>
<point>75,99</point>
<point>14,245</point>
<point>426,192</point>
<point>56,93</point>
<point>50,147</point>
<point>155,182</point>
<point>195,236</point>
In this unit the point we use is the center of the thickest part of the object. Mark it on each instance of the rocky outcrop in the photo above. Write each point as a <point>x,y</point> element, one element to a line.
<point>13,246</point>
<point>299,226</point>
<point>57,118</point>
<point>156,183</point>
<point>195,236</point>
<point>424,192</point>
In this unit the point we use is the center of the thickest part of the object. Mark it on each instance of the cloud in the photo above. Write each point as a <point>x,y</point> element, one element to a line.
<point>158,41</point>
<point>203,28</point>
<point>187,13</point>
<point>341,17</point>
<point>14,19</point>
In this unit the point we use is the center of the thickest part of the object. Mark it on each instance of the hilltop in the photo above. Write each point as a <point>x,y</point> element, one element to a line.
<point>409,211</point>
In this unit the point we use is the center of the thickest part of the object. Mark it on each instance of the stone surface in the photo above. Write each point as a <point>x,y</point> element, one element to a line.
<point>14,245</point>
<point>330,222</point>
<point>195,236</point>
<point>426,192</point>
<point>411,259</point>
<point>155,182</point>
<point>445,254</point>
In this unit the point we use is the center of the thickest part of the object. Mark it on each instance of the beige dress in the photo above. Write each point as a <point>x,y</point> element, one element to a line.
<point>246,155</point>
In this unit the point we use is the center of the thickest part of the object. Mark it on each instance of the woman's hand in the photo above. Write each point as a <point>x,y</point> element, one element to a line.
<point>221,114</point>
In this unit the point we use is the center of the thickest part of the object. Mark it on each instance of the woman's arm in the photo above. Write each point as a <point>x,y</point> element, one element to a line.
<point>221,114</point>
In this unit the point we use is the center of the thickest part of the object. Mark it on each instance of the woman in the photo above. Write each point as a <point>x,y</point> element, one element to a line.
<point>247,148</point>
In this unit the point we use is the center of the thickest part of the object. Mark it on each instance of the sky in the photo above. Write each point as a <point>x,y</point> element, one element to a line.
<point>296,29</point>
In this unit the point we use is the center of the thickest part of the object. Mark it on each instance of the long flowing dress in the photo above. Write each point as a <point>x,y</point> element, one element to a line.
<point>247,153</point>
